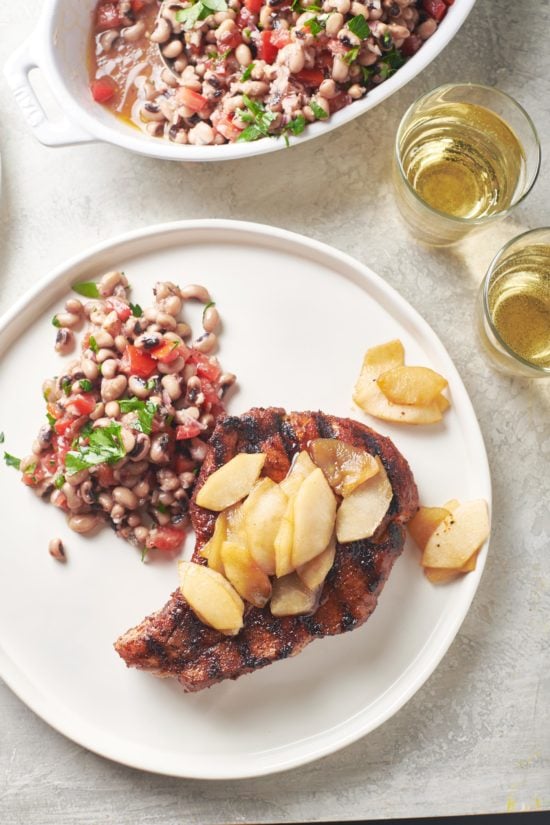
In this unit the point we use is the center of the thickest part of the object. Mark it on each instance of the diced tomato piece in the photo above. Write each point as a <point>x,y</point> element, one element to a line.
<point>33,477</point>
<point>313,77</point>
<point>168,351</point>
<point>122,310</point>
<point>166,538</point>
<point>193,100</point>
<point>210,392</point>
<point>254,6</point>
<point>106,476</point>
<point>279,37</point>
<point>62,425</point>
<point>411,45</point>
<point>224,125</point>
<point>61,502</point>
<point>137,5</point>
<point>53,410</point>
<point>188,430</point>
<point>435,8</point>
<point>336,46</point>
<point>102,90</point>
<point>107,17</point>
<point>81,404</point>
<point>339,101</point>
<point>140,363</point>
<point>266,50</point>
<point>205,367</point>
<point>245,19</point>
<point>230,40</point>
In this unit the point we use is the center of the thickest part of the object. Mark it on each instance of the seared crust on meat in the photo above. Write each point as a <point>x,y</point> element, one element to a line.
<point>173,642</point>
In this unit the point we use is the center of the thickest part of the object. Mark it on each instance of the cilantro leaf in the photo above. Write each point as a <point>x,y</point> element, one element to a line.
<point>136,310</point>
<point>92,343</point>
<point>199,11</point>
<point>87,288</point>
<point>1,438</point>
<point>393,60</point>
<point>59,482</point>
<point>12,461</point>
<point>352,55</point>
<point>51,419</point>
<point>359,26</point>
<point>104,446</point>
<point>297,125</point>
<point>315,25</point>
<point>145,413</point>
<point>317,110</point>
<point>66,386</point>
<point>85,384</point>
<point>247,72</point>
<point>258,117</point>
<point>55,322</point>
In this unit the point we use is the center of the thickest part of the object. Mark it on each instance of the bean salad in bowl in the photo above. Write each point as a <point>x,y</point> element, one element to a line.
<point>129,419</point>
<point>207,72</point>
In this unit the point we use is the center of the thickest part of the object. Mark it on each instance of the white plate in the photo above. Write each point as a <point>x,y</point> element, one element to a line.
<point>298,317</point>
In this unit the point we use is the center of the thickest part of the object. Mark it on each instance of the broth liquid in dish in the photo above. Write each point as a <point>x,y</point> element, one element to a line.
<point>462,159</point>
<point>519,303</point>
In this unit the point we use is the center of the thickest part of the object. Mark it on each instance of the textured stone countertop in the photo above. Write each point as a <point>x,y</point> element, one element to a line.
<point>476,737</point>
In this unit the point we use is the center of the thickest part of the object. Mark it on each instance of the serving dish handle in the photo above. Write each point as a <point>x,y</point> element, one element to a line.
<point>61,132</point>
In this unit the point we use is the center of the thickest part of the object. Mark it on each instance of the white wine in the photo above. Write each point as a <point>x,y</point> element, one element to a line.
<point>519,303</point>
<point>462,159</point>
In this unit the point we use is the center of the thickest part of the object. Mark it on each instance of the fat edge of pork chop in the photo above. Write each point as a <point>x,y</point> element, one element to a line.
<point>174,642</point>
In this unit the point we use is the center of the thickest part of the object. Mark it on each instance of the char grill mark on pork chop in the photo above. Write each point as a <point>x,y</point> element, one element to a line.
<point>174,642</point>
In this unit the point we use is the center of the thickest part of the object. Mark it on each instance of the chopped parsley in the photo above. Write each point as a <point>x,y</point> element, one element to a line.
<point>352,55</point>
<point>247,72</point>
<point>85,384</point>
<point>144,551</point>
<point>66,385</point>
<point>12,461</point>
<point>217,56</point>
<point>59,482</point>
<point>317,110</point>
<point>258,118</point>
<point>162,508</point>
<point>104,446</point>
<point>294,127</point>
<point>51,419</point>
<point>136,310</point>
<point>151,384</point>
<point>386,40</point>
<point>200,10</point>
<point>92,343</point>
<point>87,288</point>
<point>55,322</point>
<point>145,412</point>
<point>315,25</point>
<point>367,72</point>
<point>359,26</point>
<point>393,61</point>
<point>1,438</point>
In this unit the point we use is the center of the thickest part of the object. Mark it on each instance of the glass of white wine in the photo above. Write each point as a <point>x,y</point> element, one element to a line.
<point>514,306</point>
<point>465,155</point>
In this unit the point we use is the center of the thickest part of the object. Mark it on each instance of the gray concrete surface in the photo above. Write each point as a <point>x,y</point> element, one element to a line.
<point>476,737</point>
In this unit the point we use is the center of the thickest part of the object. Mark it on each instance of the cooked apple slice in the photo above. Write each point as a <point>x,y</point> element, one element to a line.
<point>263,512</point>
<point>440,575</point>
<point>301,468</point>
<point>291,597</point>
<point>283,541</point>
<point>424,523</point>
<point>451,505</point>
<point>235,529</point>
<point>371,399</point>
<point>345,466</point>
<point>314,515</point>
<point>214,601</point>
<point>212,549</point>
<point>248,579</point>
<point>442,402</point>
<point>458,536</point>
<point>411,385</point>
<point>232,482</point>
<point>361,513</point>
<point>314,573</point>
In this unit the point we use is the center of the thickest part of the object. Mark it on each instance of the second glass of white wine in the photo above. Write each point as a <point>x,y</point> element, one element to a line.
<point>465,155</point>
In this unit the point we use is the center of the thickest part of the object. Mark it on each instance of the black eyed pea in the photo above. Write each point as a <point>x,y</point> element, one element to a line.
<point>133,33</point>
<point>172,49</point>
<point>327,89</point>
<point>141,489</point>
<point>74,502</point>
<point>89,368</point>
<point>98,411</point>
<point>128,439</point>
<point>67,319</point>
<point>170,305</point>
<point>83,522</point>
<point>105,500</point>
<point>243,55</point>
<point>166,321</point>
<point>125,497</point>
<point>162,32</point>
<point>138,387</point>
<point>173,367</point>
<point>108,39</point>
<point>335,21</point>
<point>159,449</point>
<point>111,323</point>
<point>104,354</point>
<point>112,409</point>
<point>323,103</point>
<point>198,449</point>
<point>172,386</point>
<point>166,499</point>
<point>340,69</point>
<point>141,447</point>
<point>141,534</point>
<point>120,343</point>
<point>103,339</point>
<point>358,8</point>
<point>206,343</point>
<point>134,520</point>
<point>201,135</point>
<point>56,550</point>
<point>64,341</point>
<point>76,479</point>
<point>117,513</point>
<point>113,388</point>
<point>426,29</point>
<point>109,368</point>
<point>210,319</point>
<point>74,306</point>
<point>109,281</point>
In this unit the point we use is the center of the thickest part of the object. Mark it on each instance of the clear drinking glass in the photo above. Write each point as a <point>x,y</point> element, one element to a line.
<point>513,313</point>
<point>465,156</point>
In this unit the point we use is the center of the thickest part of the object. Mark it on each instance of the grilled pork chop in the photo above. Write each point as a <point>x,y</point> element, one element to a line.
<point>174,642</point>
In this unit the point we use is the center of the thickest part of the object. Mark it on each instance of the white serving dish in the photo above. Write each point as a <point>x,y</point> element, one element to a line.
<point>58,46</point>
<point>58,623</point>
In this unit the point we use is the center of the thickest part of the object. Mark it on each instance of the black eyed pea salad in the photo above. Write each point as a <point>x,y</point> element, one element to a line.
<point>209,72</point>
<point>129,418</point>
